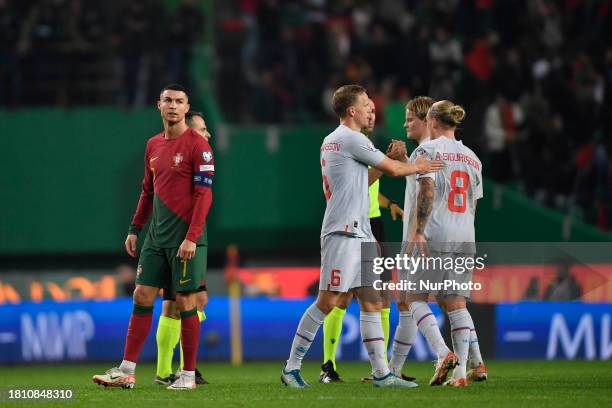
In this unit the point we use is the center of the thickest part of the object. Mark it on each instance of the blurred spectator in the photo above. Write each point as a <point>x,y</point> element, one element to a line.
<point>48,40</point>
<point>133,34</point>
<point>533,290</point>
<point>503,120</point>
<point>83,52</point>
<point>510,78</point>
<point>535,76</point>
<point>446,58</point>
<point>10,73</point>
<point>564,287</point>
<point>127,279</point>
<point>185,28</point>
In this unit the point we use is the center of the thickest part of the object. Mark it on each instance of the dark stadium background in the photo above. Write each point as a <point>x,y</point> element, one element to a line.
<point>78,85</point>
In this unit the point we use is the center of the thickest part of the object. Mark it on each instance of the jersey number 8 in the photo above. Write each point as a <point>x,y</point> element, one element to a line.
<point>458,190</point>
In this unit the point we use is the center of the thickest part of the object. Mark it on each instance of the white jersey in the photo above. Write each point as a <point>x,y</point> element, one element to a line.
<point>457,187</point>
<point>345,157</point>
<point>410,199</point>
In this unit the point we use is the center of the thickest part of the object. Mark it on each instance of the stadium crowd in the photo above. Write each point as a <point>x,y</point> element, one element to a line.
<point>535,77</point>
<point>86,52</point>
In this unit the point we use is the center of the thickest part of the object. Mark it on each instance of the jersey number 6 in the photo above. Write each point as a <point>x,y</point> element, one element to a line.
<point>326,189</point>
<point>335,277</point>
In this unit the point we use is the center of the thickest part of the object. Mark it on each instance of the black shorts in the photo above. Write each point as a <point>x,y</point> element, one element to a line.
<point>378,229</point>
<point>169,295</point>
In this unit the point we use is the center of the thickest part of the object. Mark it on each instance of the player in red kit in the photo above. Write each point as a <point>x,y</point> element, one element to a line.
<point>176,194</point>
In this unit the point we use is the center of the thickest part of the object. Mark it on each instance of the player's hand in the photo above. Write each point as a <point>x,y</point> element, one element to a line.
<point>130,245</point>
<point>425,166</point>
<point>419,243</point>
<point>396,211</point>
<point>401,145</point>
<point>186,250</point>
<point>396,150</point>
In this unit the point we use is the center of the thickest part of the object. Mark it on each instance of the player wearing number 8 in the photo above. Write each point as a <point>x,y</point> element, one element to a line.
<point>456,187</point>
<point>444,228</point>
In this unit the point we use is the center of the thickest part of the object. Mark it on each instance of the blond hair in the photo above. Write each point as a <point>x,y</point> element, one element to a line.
<point>420,106</point>
<point>447,113</point>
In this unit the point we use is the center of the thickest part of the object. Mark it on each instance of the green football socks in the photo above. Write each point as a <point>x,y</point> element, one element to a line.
<point>332,327</point>
<point>168,334</point>
<point>384,316</point>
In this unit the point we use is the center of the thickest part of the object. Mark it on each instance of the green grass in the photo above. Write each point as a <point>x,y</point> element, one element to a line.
<point>513,384</point>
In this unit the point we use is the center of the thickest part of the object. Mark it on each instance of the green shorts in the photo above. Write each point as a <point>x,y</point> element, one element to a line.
<point>160,268</point>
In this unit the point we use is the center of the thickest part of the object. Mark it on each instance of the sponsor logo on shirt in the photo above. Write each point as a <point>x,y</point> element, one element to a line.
<point>207,167</point>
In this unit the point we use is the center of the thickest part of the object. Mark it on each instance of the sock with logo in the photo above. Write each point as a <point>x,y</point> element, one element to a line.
<point>428,325</point>
<point>405,333</point>
<point>332,328</point>
<point>461,327</point>
<point>306,331</point>
<point>374,342</point>
<point>474,355</point>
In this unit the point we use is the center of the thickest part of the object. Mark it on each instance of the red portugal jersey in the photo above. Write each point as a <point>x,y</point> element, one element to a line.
<point>177,188</point>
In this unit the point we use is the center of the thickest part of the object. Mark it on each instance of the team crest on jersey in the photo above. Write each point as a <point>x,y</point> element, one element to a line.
<point>207,156</point>
<point>420,152</point>
<point>178,158</point>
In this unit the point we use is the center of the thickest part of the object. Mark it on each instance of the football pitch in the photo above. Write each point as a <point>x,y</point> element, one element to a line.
<point>511,384</point>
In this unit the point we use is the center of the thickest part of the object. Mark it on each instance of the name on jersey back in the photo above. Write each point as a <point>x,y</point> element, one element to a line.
<point>458,157</point>
<point>335,147</point>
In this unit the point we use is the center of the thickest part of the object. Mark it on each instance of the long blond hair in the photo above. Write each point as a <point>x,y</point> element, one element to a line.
<point>447,113</point>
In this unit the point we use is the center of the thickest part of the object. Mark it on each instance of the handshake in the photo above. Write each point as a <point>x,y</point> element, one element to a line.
<point>397,150</point>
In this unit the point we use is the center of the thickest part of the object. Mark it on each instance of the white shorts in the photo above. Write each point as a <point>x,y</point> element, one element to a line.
<point>341,263</point>
<point>426,278</point>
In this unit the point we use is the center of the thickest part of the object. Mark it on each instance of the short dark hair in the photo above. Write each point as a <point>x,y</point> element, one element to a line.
<point>192,114</point>
<point>174,87</point>
<point>345,97</point>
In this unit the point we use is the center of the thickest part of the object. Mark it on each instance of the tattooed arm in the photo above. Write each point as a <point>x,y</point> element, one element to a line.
<point>424,206</point>
<point>424,203</point>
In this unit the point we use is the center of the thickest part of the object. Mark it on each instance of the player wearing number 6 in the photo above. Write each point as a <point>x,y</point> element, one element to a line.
<point>345,156</point>
<point>443,229</point>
